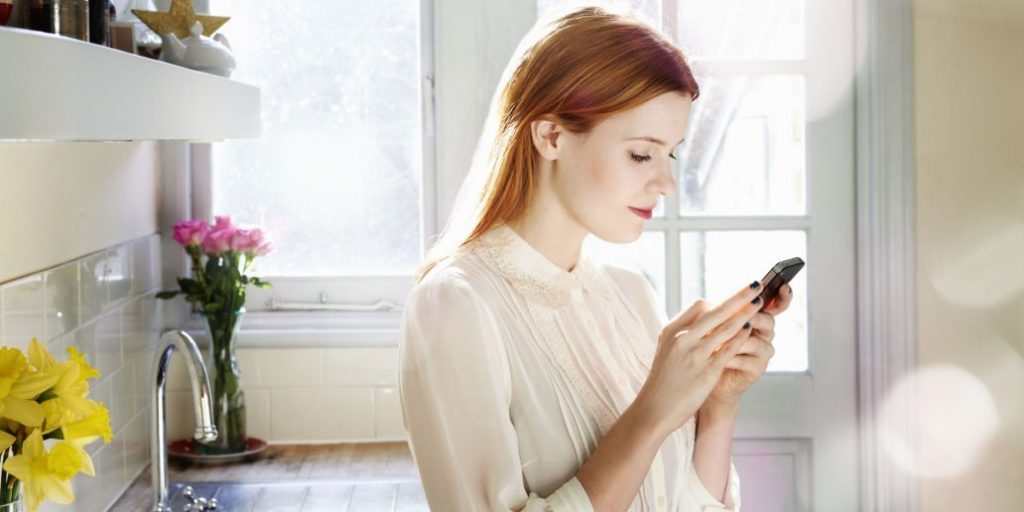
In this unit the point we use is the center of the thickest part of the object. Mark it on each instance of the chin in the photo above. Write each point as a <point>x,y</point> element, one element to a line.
<point>620,235</point>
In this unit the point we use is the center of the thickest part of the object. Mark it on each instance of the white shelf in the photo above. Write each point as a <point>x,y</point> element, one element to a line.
<point>58,88</point>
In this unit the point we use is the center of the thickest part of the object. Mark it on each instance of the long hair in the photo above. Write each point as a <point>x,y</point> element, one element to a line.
<point>575,69</point>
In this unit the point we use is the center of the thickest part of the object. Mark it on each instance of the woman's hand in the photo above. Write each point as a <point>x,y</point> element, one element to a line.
<point>751,361</point>
<point>693,350</point>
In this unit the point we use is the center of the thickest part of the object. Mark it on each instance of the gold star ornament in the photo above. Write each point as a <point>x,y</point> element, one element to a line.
<point>179,19</point>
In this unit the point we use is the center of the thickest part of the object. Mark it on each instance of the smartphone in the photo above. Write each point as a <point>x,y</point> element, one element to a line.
<point>782,273</point>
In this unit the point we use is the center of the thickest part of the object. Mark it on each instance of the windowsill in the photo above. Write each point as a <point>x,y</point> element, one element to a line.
<point>262,329</point>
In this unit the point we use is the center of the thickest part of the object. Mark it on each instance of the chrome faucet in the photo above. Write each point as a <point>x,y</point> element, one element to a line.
<point>205,429</point>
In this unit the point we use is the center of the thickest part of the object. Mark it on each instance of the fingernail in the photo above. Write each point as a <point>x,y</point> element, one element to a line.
<point>746,325</point>
<point>757,300</point>
<point>755,285</point>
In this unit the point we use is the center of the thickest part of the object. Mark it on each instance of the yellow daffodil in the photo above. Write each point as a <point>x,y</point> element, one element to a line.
<point>67,398</point>
<point>19,386</point>
<point>94,425</point>
<point>45,476</point>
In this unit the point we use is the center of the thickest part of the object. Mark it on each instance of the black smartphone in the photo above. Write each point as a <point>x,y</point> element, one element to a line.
<point>782,273</point>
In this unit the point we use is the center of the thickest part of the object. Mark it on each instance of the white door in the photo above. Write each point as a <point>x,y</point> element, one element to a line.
<point>768,174</point>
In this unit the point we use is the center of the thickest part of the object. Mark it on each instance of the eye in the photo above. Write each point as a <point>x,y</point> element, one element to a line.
<point>670,155</point>
<point>639,158</point>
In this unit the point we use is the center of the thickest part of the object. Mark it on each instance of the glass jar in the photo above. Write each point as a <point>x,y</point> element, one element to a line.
<point>68,18</point>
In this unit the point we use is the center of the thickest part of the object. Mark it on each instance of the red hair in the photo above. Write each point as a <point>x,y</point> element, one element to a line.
<point>584,66</point>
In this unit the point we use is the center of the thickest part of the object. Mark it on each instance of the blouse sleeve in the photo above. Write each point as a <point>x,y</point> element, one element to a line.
<point>455,389</point>
<point>702,500</point>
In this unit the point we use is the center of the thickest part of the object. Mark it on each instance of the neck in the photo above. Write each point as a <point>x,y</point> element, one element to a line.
<point>547,227</point>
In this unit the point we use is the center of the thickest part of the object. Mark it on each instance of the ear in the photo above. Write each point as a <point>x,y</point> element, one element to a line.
<point>544,133</point>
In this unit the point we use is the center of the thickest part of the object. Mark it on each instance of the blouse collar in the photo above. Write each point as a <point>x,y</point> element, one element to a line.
<point>532,273</point>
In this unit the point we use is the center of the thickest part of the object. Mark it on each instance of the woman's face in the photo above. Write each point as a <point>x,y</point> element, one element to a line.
<point>622,165</point>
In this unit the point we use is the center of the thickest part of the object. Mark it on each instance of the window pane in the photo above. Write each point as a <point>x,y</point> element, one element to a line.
<point>651,9</point>
<point>715,264</point>
<point>744,153</point>
<point>741,29</point>
<point>646,255</point>
<point>336,175</point>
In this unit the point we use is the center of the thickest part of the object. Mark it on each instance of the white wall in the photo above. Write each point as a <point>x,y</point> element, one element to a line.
<point>970,233</point>
<point>79,266</point>
<point>59,201</point>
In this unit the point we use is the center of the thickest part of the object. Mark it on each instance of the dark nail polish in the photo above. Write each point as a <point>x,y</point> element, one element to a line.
<point>746,325</point>
<point>757,300</point>
<point>755,285</point>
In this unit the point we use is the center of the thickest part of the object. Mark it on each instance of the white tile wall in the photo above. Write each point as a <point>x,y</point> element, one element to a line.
<point>104,305</point>
<point>306,395</point>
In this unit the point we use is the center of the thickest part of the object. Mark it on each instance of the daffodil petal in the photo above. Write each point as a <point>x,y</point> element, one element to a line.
<point>31,385</point>
<point>56,490</point>
<point>19,466</point>
<point>39,357</point>
<point>6,440</point>
<point>87,466</point>
<point>23,411</point>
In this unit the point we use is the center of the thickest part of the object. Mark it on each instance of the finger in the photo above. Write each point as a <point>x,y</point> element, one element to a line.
<point>738,325</point>
<point>781,302</point>
<point>684,318</point>
<point>763,325</point>
<point>756,345</point>
<point>746,364</point>
<point>731,347</point>
<point>727,309</point>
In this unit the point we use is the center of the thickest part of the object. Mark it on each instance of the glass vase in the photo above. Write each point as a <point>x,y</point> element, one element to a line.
<point>18,505</point>
<point>226,382</point>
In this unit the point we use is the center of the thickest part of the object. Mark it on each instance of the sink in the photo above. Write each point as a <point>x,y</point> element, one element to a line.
<point>307,496</point>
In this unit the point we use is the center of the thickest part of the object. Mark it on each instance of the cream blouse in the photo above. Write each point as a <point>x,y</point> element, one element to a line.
<point>512,370</point>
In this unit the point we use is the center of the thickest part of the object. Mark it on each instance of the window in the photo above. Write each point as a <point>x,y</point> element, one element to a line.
<point>337,174</point>
<point>742,198</point>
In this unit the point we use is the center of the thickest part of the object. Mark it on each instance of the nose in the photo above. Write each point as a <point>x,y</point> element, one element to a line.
<point>664,183</point>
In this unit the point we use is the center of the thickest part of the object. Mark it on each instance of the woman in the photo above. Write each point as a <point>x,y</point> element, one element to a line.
<point>533,378</point>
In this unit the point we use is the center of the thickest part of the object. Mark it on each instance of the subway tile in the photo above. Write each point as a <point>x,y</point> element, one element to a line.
<point>122,406</point>
<point>144,256</point>
<point>136,444</point>
<point>118,275</point>
<point>100,341</point>
<point>135,334</point>
<point>387,409</point>
<point>23,312</point>
<point>320,414</point>
<point>361,366</point>
<point>180,415</point>
<point>144,378</point>
<point>257,413</point>
<point>60,306</point>
<point>292,367</point>
<point>92,286</point>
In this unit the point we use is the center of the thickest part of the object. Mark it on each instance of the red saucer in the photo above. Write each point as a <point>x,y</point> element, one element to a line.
<point>186,449</point>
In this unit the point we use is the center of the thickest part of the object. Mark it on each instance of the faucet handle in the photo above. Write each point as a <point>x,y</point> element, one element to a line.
<point>197,503</point>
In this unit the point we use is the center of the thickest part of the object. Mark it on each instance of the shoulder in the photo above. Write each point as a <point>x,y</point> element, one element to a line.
<point>456,280</point>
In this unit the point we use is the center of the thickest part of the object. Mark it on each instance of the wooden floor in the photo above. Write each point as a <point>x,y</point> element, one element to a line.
<point>364,477</point>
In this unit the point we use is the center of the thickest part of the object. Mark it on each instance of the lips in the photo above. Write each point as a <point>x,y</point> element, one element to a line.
<point>642,212</point>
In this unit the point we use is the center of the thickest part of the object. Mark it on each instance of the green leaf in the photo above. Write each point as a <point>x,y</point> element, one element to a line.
<point>169,294</point>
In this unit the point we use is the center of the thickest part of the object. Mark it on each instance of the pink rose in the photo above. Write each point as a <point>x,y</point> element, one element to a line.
<point>264,248</point>
<point>217,241</point>
<point>222,222</point>
<point>190,232</point>
<point>246,240</point>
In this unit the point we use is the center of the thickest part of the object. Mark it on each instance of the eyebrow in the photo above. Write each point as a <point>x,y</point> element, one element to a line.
<point>653,139</point>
